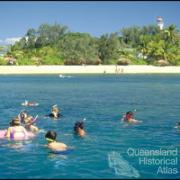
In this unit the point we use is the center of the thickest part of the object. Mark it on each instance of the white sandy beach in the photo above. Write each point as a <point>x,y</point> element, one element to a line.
<point>88,69</point>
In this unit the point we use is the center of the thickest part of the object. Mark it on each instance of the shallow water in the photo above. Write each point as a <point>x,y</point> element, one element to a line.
<point>102,100</point>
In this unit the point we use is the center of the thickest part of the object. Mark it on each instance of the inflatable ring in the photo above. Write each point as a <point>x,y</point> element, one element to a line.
<point>3,132</point>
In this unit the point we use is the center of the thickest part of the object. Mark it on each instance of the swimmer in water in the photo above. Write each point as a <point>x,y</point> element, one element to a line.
<point>129,118</point>
<point>52,143</point>
<point>177,125</point>
<point>29,124</point>
<point>28,121</point>
<point>79,129</point>
<point>26,103</point>
<point>15,130</point>
<point>55,112</point>
<point>22,116</point>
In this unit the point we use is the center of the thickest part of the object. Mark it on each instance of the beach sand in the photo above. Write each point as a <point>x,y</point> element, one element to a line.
<point>88,69</point>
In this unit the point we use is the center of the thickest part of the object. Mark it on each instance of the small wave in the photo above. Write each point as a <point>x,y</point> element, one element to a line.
<point>121,166</point>
<point>60,163</point>
<point>58,160</point>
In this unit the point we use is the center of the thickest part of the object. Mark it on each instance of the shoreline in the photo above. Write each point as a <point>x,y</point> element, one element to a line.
<point>88,69</point>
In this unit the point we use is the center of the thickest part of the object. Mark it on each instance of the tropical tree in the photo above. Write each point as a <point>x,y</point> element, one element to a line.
<point>47,34</point>
<point>31,38</point>
<point>78,48</point>
<point>108,47</point>
<point>55,44</point>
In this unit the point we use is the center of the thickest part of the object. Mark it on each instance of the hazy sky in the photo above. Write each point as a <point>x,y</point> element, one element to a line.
<point>93,17</point>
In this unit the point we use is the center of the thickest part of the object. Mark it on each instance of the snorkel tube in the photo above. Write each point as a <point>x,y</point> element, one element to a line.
<point>34,120</point>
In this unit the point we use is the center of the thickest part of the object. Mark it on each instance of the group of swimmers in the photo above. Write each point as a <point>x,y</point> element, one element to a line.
<point>23,127</point>
<point>59,146</point>
<point>52,135</point>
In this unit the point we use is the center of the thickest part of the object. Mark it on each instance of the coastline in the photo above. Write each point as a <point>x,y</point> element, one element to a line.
<point>88,69</point>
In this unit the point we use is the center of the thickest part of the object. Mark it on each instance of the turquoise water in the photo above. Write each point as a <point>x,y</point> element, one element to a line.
<point>102,100</point>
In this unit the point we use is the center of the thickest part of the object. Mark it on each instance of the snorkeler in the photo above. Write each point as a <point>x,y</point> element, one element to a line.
<point>27,103</point>
<point>55,112</point>
<point>79,129</point>
<point>53,144</point>
<point>15,130</point>
<point>22,116</point>
<point>177,125</point>
<point>129,118</point>
<point>28,121</point>
<point>29,124</point>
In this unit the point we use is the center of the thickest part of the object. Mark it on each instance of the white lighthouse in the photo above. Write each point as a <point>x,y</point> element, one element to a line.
<point>160,22</point>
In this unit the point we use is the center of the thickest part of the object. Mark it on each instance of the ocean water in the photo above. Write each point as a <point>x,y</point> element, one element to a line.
<point>107,150</point>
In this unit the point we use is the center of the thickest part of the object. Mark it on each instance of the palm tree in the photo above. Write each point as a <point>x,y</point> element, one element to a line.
<point>172,33</point>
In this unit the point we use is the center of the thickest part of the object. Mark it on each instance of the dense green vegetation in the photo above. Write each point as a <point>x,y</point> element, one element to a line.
<point>56,44</point>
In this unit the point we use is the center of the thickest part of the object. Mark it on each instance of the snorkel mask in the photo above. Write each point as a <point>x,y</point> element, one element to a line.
<point>50,140</point>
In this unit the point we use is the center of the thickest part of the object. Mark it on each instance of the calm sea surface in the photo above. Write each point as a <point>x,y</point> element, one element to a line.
<point>110,148</point>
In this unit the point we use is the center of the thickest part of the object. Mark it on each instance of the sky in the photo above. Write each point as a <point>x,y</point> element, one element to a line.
<point>93,17</point>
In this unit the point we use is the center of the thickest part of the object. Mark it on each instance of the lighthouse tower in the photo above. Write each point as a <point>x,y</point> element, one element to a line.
<point>160,22</point>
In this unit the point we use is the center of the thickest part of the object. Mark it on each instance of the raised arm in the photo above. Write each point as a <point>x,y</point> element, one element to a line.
<point>8,132</point>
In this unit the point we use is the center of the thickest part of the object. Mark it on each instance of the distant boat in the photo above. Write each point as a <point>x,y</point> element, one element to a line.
<point>61,76</point>
<point>27,103</point>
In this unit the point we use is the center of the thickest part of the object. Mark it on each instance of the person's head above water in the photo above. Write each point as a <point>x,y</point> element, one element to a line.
<point>51,136</point>
<point>79,128</point>
<point>23,114</point>
<point>28,119</point>
<point>15,122</point>
<point>52,143</point>
<point>78,124</point>
<point>129,115</point>
<point>129,112</point>
<point>55,108</point>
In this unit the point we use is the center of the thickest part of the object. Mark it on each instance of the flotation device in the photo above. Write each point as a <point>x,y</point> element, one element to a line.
<point>3,132</point>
